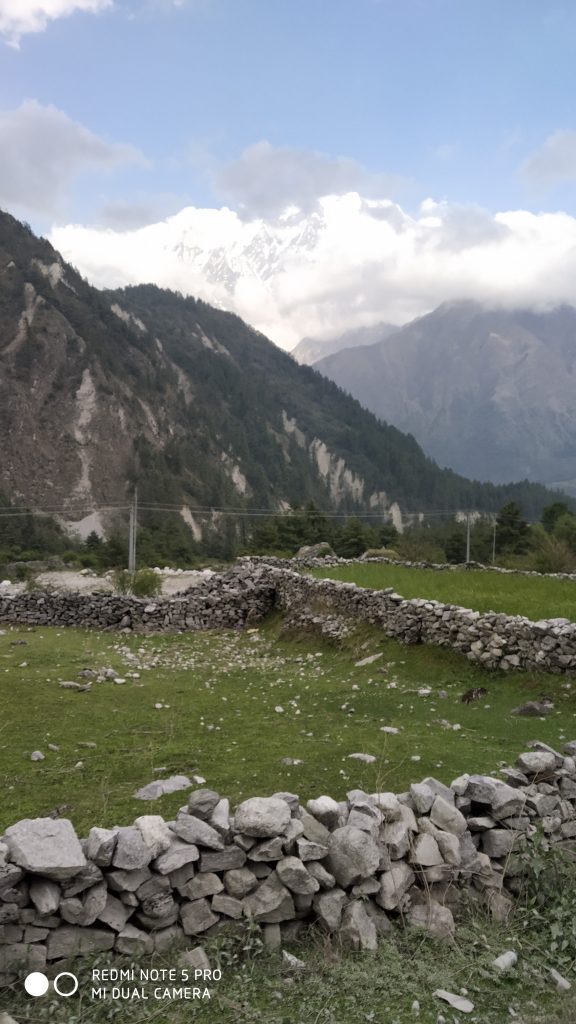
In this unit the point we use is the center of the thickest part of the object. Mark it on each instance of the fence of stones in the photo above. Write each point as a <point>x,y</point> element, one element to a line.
<point>353,867</point>
<point>222,601</point>
<point>493,640</point>
<point>248,593</point>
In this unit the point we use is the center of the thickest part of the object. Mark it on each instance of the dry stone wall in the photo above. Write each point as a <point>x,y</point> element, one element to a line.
<point>353,867</point>
<point>222,601</point>
<point>493,640</point>
<point>249,591</point>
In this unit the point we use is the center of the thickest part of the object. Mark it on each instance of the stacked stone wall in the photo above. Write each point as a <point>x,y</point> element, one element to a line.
<point>353,867</point>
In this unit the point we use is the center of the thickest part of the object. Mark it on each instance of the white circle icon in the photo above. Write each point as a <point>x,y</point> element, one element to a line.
<point>36,984</point>
<point>66,974</point>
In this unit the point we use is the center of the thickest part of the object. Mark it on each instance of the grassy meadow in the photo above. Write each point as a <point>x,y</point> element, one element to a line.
<point>234,706</point>
<point>536,597</point>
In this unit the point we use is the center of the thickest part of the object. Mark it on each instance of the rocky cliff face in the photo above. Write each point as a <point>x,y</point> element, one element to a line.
<point>487,392</point>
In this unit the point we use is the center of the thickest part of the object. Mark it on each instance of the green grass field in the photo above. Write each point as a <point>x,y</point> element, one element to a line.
<point>536,597</point>
<point>221,692</point>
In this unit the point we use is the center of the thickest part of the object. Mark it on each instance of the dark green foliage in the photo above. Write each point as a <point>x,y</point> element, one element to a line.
<point>511,530</point>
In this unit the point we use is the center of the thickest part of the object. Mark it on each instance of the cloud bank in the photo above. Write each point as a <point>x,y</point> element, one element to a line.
<point>353,261</point>
<point>19,17</point>
<point>42,149</point>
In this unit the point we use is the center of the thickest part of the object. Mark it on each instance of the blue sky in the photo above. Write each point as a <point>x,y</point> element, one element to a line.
<point>446,98</point>
<point>119,113</point>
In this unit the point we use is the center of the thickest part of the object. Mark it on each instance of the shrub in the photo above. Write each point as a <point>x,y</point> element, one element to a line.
<point>143,583</point>
<point>146,583</point>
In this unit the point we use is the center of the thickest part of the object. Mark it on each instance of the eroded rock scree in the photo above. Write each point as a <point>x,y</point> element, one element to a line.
<point>351,866</point>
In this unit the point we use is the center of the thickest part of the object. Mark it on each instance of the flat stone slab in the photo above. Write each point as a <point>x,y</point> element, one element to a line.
<point>46,846</point>
<point>162,786</point>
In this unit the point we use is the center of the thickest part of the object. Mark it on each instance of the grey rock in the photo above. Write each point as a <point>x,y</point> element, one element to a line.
<point>194,830</point>
<point>115,913</point>
<point>177,856</point>
<point>262,817</point>
<point>325,810</point>
<point>84,911</point>
<point>220,818</point>
<point>197,917</point>
<point>225,860</point>
<point>155,833</point>
<point>381,920</point>
<point>167,938</point>
<point>45,895</point>
<point>70,941</point>
<point>45,846</point>
<point>204,885</point>
<point>227,905</point>
<point>203,802</point>
<point>23,958</point>
<point>314,830</point>
<point>127,881</point>
<point>85,879</point>
<point>353,855</point>
<point>329,907</point>
<point>396,836</point>
<point>309,850</point>
<point>133,941</point>
<point>394,884</point>
<point>449,846</point>
<point>422,796</point>
<point>433,918</point>
<point>100,846</point>
<point>536,763</point>
<point>425,851</point>
<point>271,903</point>
<point>240,882</point>
<point>131,853</point>
<point>498,842</point>
<point>293,874</point>
<point>270,849</point>
<point>447,817</point>
<point>318,871</point>
<point>358,929</point>
<point>160,787</point>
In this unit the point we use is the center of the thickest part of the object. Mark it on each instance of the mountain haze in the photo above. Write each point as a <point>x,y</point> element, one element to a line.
<point>488,392</point>
<point>310,350</point>
<point>102,390</point>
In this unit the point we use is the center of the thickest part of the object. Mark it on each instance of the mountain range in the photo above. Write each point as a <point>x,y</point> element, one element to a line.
<point>102,390</point>
<point>488,392</point>
<point>311,350</point>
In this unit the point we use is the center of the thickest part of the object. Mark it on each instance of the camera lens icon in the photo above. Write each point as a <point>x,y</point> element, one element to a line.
<point>69,988</point>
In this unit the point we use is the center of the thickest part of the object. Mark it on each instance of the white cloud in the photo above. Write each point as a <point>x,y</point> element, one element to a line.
<point>352,262</point>
<point>266,179</point>
<point>554,162</point>
<point>18,17</point>
<point>42,148</point>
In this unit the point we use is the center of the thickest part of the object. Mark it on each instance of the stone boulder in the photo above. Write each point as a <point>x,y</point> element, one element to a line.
<point>46,846</point>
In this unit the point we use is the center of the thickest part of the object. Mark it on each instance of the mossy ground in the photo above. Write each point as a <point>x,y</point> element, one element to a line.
<point>536,597</point>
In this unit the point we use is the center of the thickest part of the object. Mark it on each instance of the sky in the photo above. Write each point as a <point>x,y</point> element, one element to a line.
<point>127,125</point>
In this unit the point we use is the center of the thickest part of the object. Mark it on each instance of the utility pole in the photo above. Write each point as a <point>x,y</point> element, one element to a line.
<point>494,542</point>
<point>467,536</point>
<point>132,533</point>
